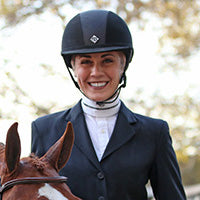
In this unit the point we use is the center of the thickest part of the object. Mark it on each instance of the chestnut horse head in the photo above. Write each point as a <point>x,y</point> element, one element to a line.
<point>35,178</point>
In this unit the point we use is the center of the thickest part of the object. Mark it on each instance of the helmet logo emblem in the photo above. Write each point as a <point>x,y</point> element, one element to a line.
<point>94,39</point>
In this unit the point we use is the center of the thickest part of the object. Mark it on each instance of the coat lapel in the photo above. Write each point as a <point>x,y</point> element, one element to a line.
<point>124,130</point>
<point>82,138</point>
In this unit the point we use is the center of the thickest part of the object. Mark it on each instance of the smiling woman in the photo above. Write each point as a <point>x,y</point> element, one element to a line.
<point>116,151</point>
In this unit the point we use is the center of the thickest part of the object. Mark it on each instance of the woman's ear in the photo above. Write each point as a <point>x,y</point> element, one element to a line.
<point>73,65</point>
<point>74,70</point>
<point>123,63</point>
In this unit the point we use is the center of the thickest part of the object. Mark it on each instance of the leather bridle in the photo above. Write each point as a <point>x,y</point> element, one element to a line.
<point>31,180</point>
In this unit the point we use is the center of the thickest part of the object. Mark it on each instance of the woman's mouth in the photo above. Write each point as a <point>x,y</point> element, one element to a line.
<point>98,84</point>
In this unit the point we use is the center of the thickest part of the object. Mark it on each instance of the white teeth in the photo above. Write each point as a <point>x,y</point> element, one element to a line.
<point>98,84</point>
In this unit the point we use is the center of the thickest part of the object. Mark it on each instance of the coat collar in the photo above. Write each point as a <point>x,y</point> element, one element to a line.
<point>119,137</point>
<point>77,110</point>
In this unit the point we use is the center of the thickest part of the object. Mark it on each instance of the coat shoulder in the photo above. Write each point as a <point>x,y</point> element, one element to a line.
<point>50,118</point>
<point>57,120</point>
<point>135,117</point>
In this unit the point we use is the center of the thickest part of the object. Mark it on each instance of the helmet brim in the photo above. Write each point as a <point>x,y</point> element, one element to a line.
<point>94,50</point>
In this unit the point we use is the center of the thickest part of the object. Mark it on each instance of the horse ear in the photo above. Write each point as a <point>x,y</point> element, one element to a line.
<point>13,148</point>
<point>59,153</point>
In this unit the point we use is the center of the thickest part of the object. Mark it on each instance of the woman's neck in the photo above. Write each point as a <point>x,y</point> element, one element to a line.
<point>90,107</point>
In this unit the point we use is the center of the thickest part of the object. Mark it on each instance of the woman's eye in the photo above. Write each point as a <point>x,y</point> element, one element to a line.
<point>108,60</point>
<point>85,62</point>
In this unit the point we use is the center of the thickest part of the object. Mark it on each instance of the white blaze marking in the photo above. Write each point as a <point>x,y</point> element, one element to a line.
<point>50,193</point>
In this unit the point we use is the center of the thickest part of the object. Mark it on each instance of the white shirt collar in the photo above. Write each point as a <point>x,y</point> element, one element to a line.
<point>93,109</point>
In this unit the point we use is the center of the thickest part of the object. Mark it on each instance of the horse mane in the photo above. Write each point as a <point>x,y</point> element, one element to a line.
<point>40,165</point>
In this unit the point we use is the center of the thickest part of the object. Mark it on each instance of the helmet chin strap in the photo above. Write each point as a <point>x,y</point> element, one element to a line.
<point>72,77</point>
<point>115,94</point>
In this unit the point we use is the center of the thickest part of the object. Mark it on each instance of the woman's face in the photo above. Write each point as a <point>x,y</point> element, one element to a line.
<point>98,74</point>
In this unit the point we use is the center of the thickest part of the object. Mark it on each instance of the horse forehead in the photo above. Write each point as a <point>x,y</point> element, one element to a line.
<point>50,193</point>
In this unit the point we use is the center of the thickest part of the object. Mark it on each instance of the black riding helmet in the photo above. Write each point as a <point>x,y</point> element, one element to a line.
<point>96,31</point>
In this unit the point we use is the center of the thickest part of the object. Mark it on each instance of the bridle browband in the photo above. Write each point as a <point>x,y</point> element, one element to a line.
<point>31,180</point>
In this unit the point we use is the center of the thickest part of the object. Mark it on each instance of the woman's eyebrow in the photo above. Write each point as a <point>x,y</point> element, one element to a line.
<point>108,54</point>
<point>88,56</point>
<point>84,56</point>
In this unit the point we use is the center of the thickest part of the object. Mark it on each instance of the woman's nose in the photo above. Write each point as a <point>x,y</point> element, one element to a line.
<point>96,69</point>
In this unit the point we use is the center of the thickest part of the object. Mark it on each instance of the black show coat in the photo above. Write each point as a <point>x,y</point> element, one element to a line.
<point>140,149</point>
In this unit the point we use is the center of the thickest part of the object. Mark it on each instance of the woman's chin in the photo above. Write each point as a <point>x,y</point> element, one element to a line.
<point>97,98</point>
